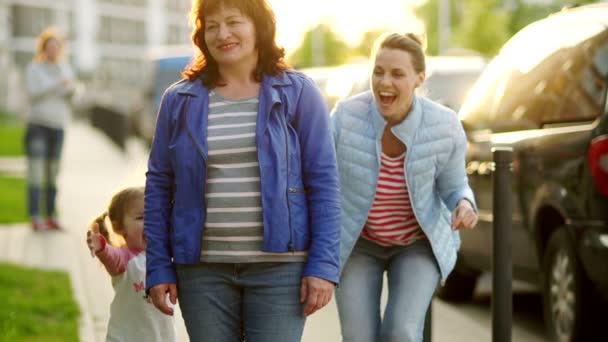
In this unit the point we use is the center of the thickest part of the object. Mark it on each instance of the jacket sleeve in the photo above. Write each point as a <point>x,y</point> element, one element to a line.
<point>158,201</point>
<point>452,181</point>
<point>320,176</point>
<point>114,259</point>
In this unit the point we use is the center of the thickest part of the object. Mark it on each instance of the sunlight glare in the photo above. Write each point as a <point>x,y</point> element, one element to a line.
<point>349,19</point>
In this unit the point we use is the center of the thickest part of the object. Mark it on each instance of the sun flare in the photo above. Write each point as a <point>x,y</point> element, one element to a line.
<point>349,19</point>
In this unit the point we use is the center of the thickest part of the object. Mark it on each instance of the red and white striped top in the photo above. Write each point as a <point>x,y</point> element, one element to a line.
<point>391,220</point>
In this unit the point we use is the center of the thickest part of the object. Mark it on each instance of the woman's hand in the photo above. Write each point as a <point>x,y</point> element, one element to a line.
<point>159,297</point>
<point>464,216</point>
<point>95,241</point>
<point>316,293</point>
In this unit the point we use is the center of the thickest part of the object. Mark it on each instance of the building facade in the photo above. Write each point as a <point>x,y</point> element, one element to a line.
<point>107,43</point>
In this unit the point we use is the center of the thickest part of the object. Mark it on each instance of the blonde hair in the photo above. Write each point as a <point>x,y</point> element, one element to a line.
<point>116,212</point>
<point>43,38</point>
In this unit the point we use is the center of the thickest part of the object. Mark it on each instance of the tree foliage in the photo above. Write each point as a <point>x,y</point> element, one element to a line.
<point>484,28</point>
<point>484,25</point>
<point>367,42</point>
<point>335,51</point>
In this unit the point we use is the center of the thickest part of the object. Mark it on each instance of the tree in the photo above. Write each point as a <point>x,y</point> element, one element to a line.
<point>367,42</point>
<point>484,25</point>
<point>485,28</point>
<point>335,50</point>
<point>429,15</point>
<point>526,13</point>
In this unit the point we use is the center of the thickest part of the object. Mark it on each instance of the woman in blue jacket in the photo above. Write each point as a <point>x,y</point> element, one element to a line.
<point>242,198</point>
<point>405,195</point>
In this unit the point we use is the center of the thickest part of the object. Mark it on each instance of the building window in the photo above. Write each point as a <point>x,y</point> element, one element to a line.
<point>178,34</point>
<point>30,21</point>
<point>121,31</point>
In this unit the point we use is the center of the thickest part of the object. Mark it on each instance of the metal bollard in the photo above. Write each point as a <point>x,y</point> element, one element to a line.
<point>428,324</point>
<point>502,292</point>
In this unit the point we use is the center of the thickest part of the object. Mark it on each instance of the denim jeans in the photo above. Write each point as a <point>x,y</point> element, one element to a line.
<point>43,146</point>
<point>413,275</point>
<point>257,302</point>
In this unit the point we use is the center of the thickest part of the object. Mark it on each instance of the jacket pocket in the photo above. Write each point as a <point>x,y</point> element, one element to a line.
<point>298,213</point>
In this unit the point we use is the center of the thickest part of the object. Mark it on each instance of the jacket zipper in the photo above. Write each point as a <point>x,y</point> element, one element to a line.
<point>412,199</point>
<point>289,190</point>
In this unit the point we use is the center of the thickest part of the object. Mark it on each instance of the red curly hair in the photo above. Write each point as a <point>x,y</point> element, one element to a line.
<point>271,56</point>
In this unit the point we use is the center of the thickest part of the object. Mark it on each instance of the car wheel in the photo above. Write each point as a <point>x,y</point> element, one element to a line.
<point>567,295</point>
<point>459,286</point>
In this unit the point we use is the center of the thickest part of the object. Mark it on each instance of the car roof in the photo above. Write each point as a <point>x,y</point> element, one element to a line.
<point>442,64</point>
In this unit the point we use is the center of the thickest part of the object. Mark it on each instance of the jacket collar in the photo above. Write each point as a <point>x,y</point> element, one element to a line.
<point>196,87</point>
<point>406,129</point>
<point>196,107</point>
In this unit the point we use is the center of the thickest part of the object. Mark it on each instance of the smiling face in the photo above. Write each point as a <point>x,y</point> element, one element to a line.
<point>133,224</point>
<point>231,38</point>
<point>394,81</point>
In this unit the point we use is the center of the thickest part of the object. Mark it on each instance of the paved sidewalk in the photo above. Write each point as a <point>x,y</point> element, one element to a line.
<point>13,166</point>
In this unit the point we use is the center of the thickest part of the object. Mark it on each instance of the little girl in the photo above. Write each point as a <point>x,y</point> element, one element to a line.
<point>132,315</point>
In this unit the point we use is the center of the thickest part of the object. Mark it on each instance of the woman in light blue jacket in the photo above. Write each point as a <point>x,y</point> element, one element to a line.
<point>404,193</point>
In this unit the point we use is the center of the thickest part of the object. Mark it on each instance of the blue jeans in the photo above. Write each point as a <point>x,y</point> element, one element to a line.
<point>43,146</point>
<point>257,302</point>
<point>412,274</point>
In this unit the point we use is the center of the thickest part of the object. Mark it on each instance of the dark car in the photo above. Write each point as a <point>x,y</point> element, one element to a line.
<point>544,96</point>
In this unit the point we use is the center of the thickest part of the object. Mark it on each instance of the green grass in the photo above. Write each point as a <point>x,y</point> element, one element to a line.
<point>11,140</point>
<point>36,305</point>
<point>12,200</point>
<point>11,135</point>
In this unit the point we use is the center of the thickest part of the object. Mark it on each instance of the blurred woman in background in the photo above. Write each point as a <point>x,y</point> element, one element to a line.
<point>50,85</point>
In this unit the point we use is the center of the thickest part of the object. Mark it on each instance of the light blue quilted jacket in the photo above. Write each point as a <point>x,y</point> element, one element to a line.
<point>434,169</point>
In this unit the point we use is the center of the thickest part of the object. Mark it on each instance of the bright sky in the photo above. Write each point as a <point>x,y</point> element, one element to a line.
<point>349,18</point>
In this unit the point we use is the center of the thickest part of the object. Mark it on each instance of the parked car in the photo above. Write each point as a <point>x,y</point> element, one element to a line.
<point>321,76</point>
<point>544,96</point>
<point>448,78</point>
<point>164,66</point>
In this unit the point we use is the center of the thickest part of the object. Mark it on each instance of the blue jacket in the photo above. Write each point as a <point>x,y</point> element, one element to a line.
<point>434,169</point>
<point>299,178</point>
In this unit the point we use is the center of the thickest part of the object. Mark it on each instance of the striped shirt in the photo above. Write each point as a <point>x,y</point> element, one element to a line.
<point>391,220</point>
<point>233,226</point>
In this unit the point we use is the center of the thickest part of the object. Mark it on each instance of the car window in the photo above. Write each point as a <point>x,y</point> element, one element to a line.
<point>450,89</point>
<point>582,82</point>
<point>544,74</point>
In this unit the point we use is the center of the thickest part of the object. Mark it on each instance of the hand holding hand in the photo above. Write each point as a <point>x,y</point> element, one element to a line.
<point>95,240</point>
<point>158,294</point>
<point>316,293</point>
<point>463,216</point>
